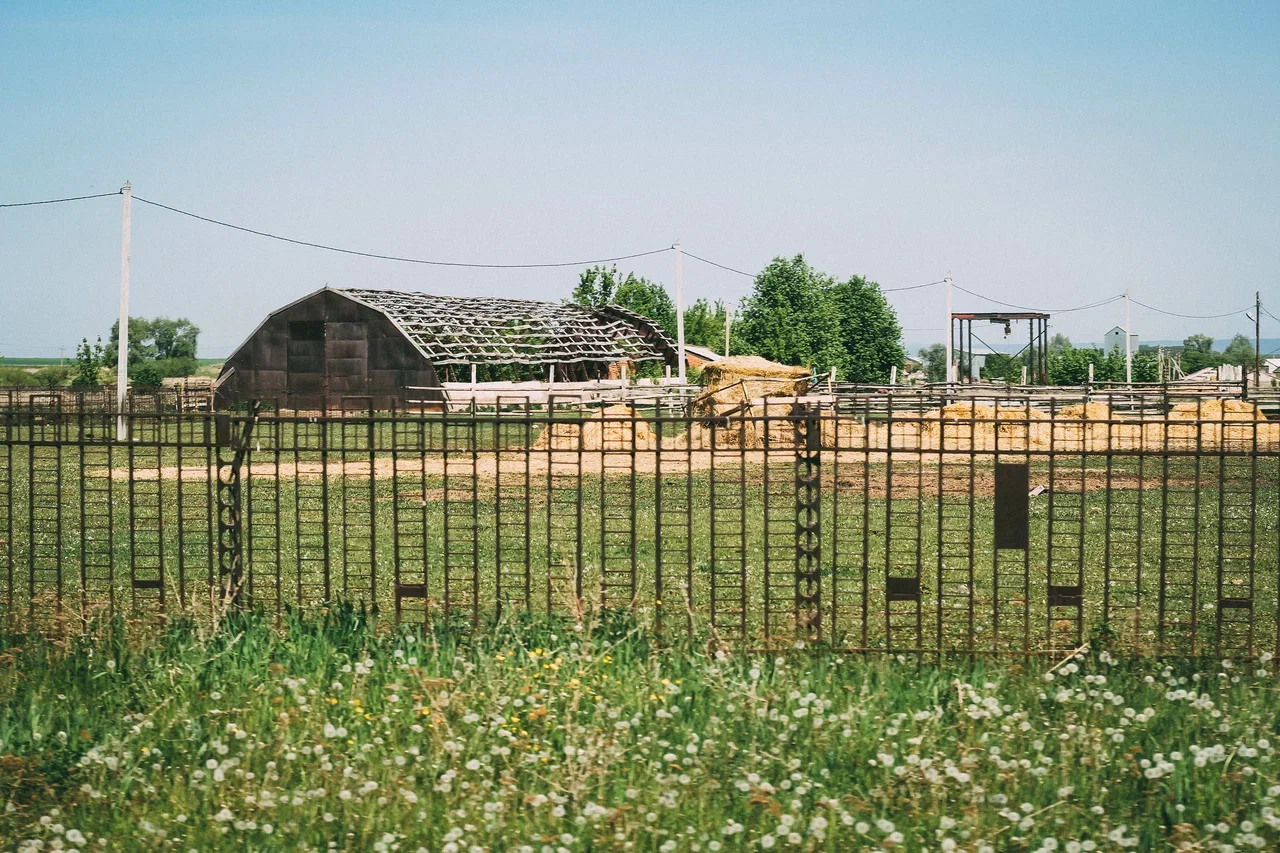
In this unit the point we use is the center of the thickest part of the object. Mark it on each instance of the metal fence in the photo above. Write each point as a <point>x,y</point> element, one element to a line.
<point>867,521</point>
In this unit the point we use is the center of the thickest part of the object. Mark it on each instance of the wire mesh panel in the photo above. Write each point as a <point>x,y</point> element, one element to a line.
<point>565,494</point>
<point>146,525</point>
<point>461,522</point>
<point>6,522</point>
<point>409,443</point>
<point>195,506</point>
<point>728,561</point>
<point>357,495</point>
<point>312,536</point>
<point>904,526</point>
<point>44,526</point>
<point>1005,526</point>
<point>673,524</point>
<point>264,541</point>
<point>97,551</point>
<point>512,513</point>
<point>618,508</point>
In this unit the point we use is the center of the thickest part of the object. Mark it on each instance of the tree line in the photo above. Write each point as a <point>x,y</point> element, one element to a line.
<point>795,314</point>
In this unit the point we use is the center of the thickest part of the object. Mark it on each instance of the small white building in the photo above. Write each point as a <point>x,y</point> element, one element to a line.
<point>1114,340</point>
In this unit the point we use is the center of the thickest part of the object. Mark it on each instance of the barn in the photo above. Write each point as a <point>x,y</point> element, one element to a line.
<point>390,348</point>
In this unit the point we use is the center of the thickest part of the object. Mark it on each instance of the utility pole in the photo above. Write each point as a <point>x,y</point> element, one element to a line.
<point>1257,342</point>
<point>122,351</point>
<point>1128,342</point>
<point>949,340</point>
<point>680,312</point>
<point>728,321</point>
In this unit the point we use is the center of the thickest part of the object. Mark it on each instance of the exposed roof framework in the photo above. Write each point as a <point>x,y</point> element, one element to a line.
<point>480,330</point>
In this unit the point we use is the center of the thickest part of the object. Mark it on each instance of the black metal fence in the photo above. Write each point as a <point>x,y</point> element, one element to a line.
<point>861,521</point>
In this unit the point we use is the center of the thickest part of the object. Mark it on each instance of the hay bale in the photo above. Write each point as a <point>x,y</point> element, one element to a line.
<point>1214,428</point>
<point>612,428</point>
<point>739,379</point>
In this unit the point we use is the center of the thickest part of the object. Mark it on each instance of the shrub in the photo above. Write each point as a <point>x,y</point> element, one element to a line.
<point>177,366</point>
<point>53,375</point>
<point>146,376</point>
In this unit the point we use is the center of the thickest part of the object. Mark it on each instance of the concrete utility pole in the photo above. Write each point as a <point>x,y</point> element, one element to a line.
<point>1257,341</point>
<point>1128,342</point>
<point>949,341</point>
<point>680,312</point>
<point>122,351</point>
<point>728,321</point>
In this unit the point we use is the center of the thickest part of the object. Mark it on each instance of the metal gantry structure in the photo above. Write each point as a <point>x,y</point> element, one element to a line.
<point>1036,351</point>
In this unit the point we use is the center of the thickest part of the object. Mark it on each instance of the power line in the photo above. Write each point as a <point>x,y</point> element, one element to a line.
<point>912,287</point>
<point>714,264</point>
<point>1189,316</point>
<point>58,200</point>
<point>1272,316</point>
<point>374,255</point>
<point>1097,304</point>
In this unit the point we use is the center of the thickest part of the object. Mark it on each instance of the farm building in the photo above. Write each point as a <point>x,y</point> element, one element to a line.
<point>393,348</point>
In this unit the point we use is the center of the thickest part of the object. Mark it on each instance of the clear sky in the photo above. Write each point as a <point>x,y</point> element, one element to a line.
<point>1047,154</point>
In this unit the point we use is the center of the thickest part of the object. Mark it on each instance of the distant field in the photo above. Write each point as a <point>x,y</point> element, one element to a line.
<point>11,361</point>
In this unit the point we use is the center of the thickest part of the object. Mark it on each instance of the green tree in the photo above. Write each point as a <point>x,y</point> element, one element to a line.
<point>934,357</point>
<point>1146,366</point>
<point>599,286</point>
<point>870,335</point>
<point>1059,342</point>
<point>704,324</point>
<point>156,339</point>
<point>1239,351</point>
<point>791,318</point>
<point>1197,354</point>
<point>146,375</point>
<point>1007,368</point>
<point>89,360</point>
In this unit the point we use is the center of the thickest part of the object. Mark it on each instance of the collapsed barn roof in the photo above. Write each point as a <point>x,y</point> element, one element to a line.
<point>483,330</point>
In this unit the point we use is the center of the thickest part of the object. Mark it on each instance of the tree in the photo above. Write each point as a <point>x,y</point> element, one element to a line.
<point>789,317</point>
<point>935,362</point>
<point>1002,366</point>
<point>155,339</point>
<point>1239,351</point>
<point>704,324</point>
<point>870,334</point>
<point>798,315</point>
<point>89,360</point>
<point>167,345</point>
<point>1059,342</point>
<point>599,286</point>
<point>1197,354</point>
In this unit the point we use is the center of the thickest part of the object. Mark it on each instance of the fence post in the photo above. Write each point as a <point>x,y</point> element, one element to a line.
<point>808,588</point>
<point>230,523</point>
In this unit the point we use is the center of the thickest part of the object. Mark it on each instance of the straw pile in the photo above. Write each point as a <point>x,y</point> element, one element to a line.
<point>1209,424</point>
<point>740,379</point>
<point>612,428</point>
<point>732,384</point>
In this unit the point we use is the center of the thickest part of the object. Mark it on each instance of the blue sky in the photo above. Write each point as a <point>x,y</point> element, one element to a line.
<point>1047,154</point>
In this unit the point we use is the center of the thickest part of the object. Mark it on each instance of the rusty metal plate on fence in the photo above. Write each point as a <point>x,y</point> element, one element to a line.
<point>902,589</point>
<point>1012,507</point>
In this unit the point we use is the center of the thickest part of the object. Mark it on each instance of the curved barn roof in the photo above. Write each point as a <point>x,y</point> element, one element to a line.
<point>483,330</point>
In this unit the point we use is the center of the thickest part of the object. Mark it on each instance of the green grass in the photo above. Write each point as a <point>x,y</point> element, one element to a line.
<point>339,733</point>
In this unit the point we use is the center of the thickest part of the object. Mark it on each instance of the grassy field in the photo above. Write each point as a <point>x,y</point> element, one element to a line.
<point>341,734</point>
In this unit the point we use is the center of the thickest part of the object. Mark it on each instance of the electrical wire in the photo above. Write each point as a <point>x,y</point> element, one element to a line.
<point>1189,316</point>
<point>405,260</point>
<point>714,264</point>
<point>1097,304</point>
<point>1272,316</point>
<point>912,287</point>
<point>58,200</point>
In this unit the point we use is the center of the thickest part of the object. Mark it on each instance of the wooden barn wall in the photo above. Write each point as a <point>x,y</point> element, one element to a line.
<point>361,354</point>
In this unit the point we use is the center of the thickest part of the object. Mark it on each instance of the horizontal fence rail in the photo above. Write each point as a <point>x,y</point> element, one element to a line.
<point>1013,524</point>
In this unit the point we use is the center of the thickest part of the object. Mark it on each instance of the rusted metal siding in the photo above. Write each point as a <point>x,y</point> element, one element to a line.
<point>321,349</point>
